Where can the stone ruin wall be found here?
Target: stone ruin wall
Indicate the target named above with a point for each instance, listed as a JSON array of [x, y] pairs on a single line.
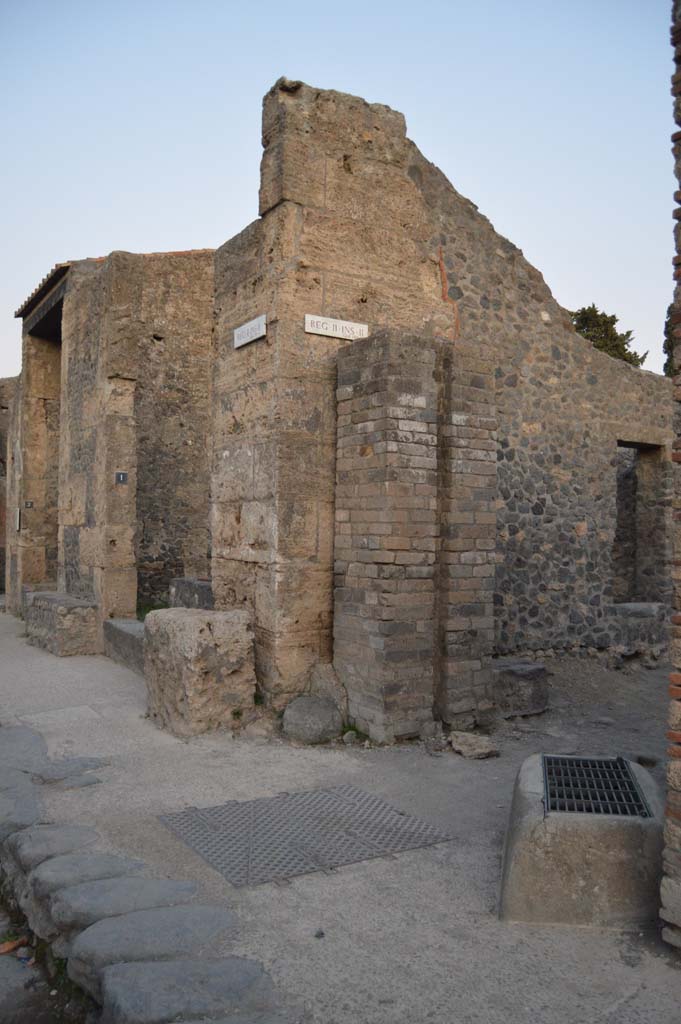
[[357, 224], [671, 882], [131, 384], [137, 336], [7, 389]]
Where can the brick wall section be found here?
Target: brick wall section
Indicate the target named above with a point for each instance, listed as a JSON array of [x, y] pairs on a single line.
[[671, 882], [415, 546], [387, 532], [468, 520]]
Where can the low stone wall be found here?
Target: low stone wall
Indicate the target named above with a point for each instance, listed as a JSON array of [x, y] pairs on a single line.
[[61, 624], [199, 668]]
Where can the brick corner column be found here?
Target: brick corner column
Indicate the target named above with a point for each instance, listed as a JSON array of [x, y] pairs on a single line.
[[386, 532]]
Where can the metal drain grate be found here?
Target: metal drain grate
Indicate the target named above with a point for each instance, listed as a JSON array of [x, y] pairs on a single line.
[[592, 786], [269, 840]]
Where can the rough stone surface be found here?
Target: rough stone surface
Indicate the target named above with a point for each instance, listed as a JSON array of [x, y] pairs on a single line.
[[199, 668], [580, 869], [324, 682], [519, 687], [81, 905], [157, 993], [33, 846], [312, 720], [471, 745], [73, 869], [146, 935]]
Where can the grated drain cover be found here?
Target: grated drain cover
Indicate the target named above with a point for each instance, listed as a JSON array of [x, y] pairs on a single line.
[[592, 786], [256, 841]]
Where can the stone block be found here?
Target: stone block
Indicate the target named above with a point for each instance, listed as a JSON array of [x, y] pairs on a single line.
[[157, 934], [520, 687], [155, 993], [81, 905], [199, 668], [578, 868], [312, 720], [61, 624], [124, 643]]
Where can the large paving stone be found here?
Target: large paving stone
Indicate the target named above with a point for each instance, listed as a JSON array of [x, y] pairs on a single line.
[[199, 668], [146, 935], [72, 869], [312, 720], [36, 844], [22, 748], [158, 993], [80, 906]]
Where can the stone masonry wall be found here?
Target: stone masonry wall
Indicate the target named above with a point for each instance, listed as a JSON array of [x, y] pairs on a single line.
[[13, 486], [671, 881], [356, 224], [7, 388], [174, 318], [136, 336]]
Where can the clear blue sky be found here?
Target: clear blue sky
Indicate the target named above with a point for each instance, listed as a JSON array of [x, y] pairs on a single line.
[[136, 125]]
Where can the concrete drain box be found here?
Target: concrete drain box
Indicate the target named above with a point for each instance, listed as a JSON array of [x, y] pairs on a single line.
[[256, 841], [584, 843]]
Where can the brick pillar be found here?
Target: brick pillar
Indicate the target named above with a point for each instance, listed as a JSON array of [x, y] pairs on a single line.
[[468, 516], [671, 882], [387, 532]]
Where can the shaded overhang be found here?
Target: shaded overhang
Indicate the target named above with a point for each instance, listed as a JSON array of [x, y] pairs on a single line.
[[49, 282]]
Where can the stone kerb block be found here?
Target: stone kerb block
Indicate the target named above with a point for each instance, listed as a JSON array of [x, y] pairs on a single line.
[[199, 668]]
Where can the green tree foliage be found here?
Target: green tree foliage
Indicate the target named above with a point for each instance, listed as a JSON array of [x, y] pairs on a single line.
[[600, 329], [668, 346]]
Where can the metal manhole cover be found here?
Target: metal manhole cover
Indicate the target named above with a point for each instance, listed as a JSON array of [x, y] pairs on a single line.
[[256, 841], [592, 786]]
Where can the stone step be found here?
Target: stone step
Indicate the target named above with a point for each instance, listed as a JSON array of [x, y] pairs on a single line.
[[124, 643]]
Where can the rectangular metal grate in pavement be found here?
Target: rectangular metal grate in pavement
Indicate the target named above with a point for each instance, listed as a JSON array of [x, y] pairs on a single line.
[[256, 841], [586, 785]]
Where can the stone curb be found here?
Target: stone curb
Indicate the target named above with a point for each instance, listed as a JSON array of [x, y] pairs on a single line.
[[139, 946]]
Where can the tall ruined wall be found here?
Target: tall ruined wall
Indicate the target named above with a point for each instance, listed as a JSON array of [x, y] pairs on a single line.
[[356, 224], [174, 318], [136, 336], [7, 389], [562, 406]]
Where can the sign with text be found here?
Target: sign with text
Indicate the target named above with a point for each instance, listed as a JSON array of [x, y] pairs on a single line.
[[251, 331], [334, 328]]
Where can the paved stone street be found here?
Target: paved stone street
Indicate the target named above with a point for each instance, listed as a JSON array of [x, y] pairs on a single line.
[[407, 939]]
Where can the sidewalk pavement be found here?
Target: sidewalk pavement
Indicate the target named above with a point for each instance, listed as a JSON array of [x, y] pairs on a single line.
[[409, 939]]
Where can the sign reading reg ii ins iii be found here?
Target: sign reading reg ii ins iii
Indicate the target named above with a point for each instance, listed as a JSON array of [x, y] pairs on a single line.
[[331, 328], [251, 331]]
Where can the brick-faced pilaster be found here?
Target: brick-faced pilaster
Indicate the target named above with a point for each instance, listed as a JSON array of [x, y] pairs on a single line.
[[671, 882], [415, 545], [387, 532]]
